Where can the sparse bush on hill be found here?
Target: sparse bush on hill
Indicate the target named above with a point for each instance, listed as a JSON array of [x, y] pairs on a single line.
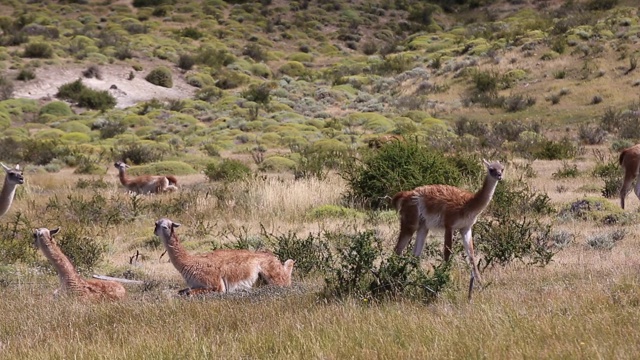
[[566, 171], [591, 135], [83, 249], [17, 240], [394, 167], [56, 108], [229, 170], [26, 75], [358, 267], [186, 61], [6, 88], [160, 76], [83, 96], [140, 153], [255, 52], [258, 93], [93, 71], [38, 50], [213, 57], [611, 173]]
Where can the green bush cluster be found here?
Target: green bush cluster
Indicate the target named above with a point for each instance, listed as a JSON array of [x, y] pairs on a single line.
[[396, 166], [229, 170], [160, 76], [86, 97]]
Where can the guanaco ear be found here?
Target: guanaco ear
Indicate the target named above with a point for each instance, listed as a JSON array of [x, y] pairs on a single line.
[[6, 168], [54, 231], [17, 166], [175, 225], [485, 162]]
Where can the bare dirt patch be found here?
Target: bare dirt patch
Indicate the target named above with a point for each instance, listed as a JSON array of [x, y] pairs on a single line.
[[114, 78]]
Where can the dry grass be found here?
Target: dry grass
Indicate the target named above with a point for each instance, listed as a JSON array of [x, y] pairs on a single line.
[[585, 304]]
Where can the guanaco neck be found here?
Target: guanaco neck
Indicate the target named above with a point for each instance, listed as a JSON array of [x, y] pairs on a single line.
[[123, 177], [69, 277], [6, 196], [481, 199], [177, 253]]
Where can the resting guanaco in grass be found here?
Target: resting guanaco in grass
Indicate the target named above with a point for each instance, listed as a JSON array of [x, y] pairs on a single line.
[[630, 161], [223, 270], [448, 207], [146, 184], [70, 281]]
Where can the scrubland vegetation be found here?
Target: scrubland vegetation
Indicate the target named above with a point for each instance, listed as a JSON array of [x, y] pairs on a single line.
[[274, 104]]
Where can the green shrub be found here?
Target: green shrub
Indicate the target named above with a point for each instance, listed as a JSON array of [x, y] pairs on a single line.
[[186, 62], [97, 100], [38, 50], [137, 153], [109, 128], [305, 251], [332, 211], [394, 167], [85, 97], [160, 76], [356, 267], [293, 69], [567, 171], [71, 91], [26, 75], [258, 93], [17, 240], [514, 231], [606, 241], [611, 173], [229, 170], [557, 150], [6, 88], [277, 164], [56, 108]]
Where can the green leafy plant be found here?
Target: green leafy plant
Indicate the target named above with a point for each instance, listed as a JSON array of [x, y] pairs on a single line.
[[229, 170], [396, 166], [160, 76]]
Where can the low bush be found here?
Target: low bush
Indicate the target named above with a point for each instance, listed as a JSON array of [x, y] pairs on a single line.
[[611, 173], [396, 166], [229, 170], [77, 92], [38, 50], [160, 76], [566, 171], [84, 250], [137, 153]]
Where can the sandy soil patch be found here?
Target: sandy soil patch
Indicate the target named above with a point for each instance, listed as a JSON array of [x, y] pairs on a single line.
[[115, 79]]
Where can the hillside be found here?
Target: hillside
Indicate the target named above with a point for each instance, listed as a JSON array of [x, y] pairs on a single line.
[[288, 127], [283, 75]]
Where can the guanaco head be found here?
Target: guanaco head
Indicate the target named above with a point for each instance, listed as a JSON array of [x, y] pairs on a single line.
[[120, 165], [164, 228], [495, 169], [14, 176], [43, 237]]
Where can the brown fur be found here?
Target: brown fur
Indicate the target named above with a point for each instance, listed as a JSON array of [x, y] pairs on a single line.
[[145, 184], [70, 280], [447, 207], [221, 270], [630, 161]]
